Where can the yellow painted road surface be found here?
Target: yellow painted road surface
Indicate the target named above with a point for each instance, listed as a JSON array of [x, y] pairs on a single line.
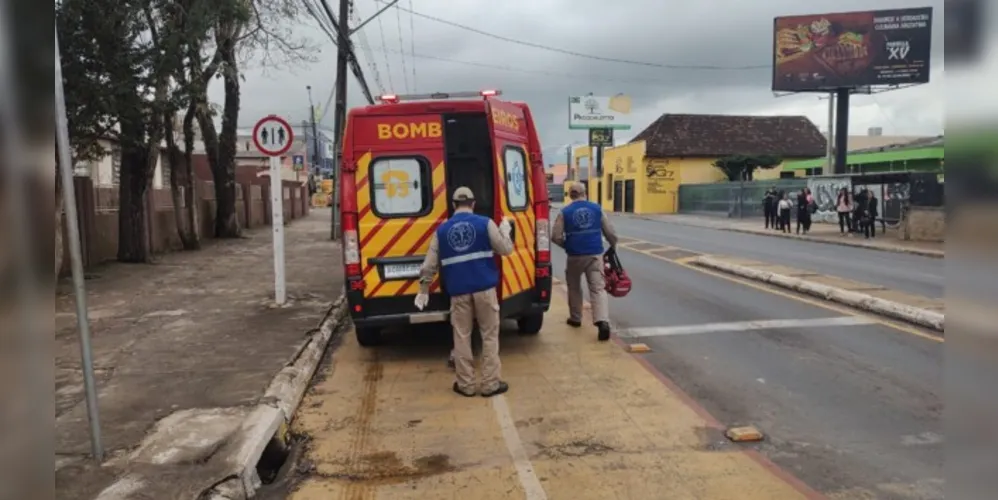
[[582, 420]]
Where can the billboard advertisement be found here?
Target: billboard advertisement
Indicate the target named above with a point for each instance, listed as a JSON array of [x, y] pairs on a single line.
[[585, 112], [852, 49]]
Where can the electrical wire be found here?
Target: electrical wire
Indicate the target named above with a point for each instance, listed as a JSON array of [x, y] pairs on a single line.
[[398, 24], [412, 45], [384, 49], [646, 82], [365, 46], [580, 54]]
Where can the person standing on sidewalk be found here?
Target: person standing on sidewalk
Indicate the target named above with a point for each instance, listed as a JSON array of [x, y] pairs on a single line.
[[464, 249], [843, 207], [769, 208], [804, 203], [579, 229], [871, 210], [785, 207]]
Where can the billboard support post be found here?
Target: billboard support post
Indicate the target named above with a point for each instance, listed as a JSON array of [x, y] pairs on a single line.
[[829, 142], [841, 128]]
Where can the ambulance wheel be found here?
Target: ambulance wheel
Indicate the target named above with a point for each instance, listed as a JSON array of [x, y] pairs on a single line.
[[530, 325], [368, 337]]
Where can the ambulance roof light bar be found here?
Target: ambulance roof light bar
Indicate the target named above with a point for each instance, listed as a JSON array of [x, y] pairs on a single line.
[[437, 96]]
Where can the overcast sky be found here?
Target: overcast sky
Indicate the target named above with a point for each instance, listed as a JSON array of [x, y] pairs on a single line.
[[719, 33]]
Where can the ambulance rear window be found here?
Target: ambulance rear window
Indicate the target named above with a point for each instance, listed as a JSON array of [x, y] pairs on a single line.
[[400, 186], [515, 161]]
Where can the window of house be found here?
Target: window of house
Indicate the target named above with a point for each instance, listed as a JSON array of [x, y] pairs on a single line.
[[400, 186], [515, 164]]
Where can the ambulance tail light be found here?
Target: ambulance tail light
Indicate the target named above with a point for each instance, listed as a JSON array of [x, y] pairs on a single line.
[[351, 245], [543, 241], [543, 232]]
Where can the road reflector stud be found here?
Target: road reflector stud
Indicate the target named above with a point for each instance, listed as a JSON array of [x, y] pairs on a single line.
[[636, 348], [743, 434]]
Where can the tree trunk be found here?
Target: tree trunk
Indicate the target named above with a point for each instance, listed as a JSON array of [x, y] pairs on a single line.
[[133, 241], [175, 159], [226, 220], [190, 182]]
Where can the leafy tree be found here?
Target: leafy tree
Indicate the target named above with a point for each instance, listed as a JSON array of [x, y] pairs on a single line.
[[742, 167]]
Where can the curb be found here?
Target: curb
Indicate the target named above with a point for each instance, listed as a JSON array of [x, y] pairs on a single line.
[[262, 424], [915, 315], [855, 244], [271, 418]]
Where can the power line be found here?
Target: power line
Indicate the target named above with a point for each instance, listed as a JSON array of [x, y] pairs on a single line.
[[648, 82], [398, 24], [352, 56], [579, 54], [384, 49], [368, 53], [412, 45]]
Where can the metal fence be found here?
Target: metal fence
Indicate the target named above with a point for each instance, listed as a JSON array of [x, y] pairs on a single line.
[[732, 199]]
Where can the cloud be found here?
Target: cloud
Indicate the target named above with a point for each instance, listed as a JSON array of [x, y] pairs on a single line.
[[721, 33]]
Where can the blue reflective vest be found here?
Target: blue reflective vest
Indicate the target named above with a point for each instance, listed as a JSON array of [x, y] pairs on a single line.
[[583, 228], [467, 262]]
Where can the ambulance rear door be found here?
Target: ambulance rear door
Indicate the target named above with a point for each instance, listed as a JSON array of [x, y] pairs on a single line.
[[510, 142], [401, 200]]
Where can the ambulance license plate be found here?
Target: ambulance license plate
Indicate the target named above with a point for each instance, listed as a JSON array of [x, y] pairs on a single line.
[[401, 271]]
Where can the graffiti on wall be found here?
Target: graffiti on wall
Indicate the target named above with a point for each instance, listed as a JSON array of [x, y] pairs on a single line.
[[826, 191]]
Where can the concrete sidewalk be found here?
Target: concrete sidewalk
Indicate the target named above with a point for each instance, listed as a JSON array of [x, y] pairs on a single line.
[[820, 232], [194, 335]]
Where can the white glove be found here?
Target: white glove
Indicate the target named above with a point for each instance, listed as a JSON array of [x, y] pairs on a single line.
[[505, 228], [421, 300]]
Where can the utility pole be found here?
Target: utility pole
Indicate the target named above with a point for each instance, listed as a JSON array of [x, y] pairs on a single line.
[[340, 113], [315, 134], [344, 56]]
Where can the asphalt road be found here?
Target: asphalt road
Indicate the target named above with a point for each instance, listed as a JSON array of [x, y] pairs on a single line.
[[906, 273], [853, 410]]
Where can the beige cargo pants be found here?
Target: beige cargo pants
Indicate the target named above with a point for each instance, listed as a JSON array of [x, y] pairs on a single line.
[[590, 266], [482, 307]]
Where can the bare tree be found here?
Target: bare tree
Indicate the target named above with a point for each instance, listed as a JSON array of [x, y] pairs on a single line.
[[255, 29]]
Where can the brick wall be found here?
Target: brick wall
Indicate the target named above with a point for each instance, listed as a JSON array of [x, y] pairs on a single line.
[[97, 210]]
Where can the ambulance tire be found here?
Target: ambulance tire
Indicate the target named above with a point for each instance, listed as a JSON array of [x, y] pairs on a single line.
[[530, 325], [368, 337]]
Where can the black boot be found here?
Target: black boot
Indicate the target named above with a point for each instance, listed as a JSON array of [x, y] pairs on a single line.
[[574, 323], [604, 330]]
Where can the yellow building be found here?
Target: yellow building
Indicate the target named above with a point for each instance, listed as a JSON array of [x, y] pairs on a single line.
[[644, 175]]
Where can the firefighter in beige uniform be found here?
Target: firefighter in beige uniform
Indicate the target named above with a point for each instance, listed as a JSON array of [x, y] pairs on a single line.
[[579, 229], [464, 249]]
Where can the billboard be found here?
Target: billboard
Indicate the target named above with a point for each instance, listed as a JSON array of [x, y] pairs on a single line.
[[852, 49], [585, 112]]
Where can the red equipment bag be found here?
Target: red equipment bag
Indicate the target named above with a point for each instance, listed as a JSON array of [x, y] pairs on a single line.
[[618, 284]]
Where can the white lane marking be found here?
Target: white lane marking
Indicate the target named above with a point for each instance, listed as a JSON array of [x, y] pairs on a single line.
[[524, 469], [741, 326]]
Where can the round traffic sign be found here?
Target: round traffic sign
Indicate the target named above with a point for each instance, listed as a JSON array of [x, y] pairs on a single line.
[[272, 135]]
